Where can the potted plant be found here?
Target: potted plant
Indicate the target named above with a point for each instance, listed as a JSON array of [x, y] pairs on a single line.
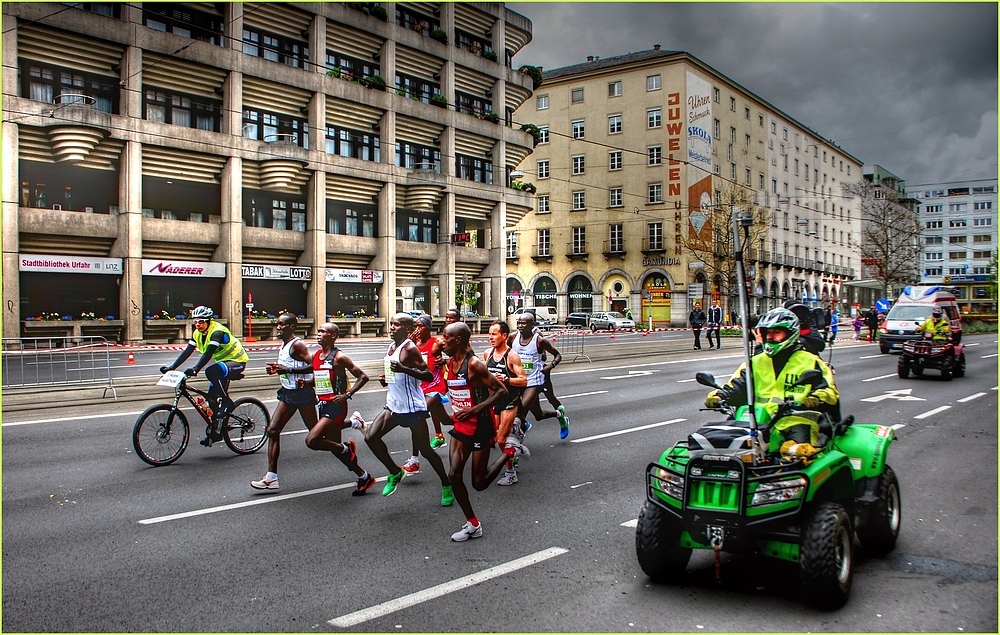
[[401, 91], [439, 100], [533, 130], [334, 72], [440, 35], [375, 81], [378, 12], [492, 117], [490, 55], [529, 188], [534, 73]]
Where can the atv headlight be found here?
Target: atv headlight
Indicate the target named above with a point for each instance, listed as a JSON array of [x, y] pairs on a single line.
[[774, 492], [670, 484]]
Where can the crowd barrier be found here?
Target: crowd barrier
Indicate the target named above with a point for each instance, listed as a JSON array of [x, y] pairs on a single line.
[[570, 343], [36, 362]]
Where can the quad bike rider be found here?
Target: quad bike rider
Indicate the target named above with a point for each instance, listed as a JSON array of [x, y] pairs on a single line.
[[780, 478], [935, 350]]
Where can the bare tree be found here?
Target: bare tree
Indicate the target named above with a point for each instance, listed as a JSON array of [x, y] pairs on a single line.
[[709, 238], [890, 236]]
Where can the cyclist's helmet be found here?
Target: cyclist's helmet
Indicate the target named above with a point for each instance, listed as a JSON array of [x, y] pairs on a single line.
[[778, 330], [937, 312], [202, 313]]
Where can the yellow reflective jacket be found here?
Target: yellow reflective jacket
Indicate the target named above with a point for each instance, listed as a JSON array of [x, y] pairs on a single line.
[[231, 349]]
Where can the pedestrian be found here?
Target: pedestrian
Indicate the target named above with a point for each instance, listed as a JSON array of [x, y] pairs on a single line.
[[405, 406], [530, 345], [871, 321], [858, 323], [827, 319], [697, 320], [472, 392], [714, 324], [504, 364], [294, 364], [430, 348], [330, 368], [834, 319]]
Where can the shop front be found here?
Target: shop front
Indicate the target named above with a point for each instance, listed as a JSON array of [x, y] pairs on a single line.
[[544, 293], [581, 295], [352, 292], [616, 293], [69, 296], [276, 289], [515, 295], [172, 288], [656, 303]]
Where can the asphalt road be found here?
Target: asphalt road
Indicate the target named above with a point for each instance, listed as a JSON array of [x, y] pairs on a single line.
[[95, 540]]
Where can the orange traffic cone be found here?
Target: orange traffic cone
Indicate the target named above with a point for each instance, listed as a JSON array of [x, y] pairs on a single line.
[[131, 358]]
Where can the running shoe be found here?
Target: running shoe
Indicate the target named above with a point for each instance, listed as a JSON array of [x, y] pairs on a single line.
[[352, 450], [468, 531], [438, 441], [519, 449], [509, 478], [412, 465], [357, 422], [265, 483], [525, 427], [563, 423], [447, 496], [391, 482], [365, 483]]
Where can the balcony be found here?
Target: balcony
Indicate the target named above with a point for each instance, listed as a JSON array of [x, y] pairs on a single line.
[[614, 248], [541, 252], [652, 247], [765, 257], [577, 251]]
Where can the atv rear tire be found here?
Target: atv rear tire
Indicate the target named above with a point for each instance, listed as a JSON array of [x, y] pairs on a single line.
[[656, 536], [826, 556], [959, 366], [878, 524], [902, 368]]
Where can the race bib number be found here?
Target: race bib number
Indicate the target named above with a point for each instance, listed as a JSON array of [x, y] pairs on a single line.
[[390, 374], [171, 378], [529, 365], [460, 398], [324, 384]]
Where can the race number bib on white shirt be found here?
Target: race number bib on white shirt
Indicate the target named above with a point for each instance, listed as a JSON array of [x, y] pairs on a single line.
[[390, 374]]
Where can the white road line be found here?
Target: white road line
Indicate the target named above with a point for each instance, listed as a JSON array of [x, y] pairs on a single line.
[[413, 599], [972, 344], [631, 523], [263, 500], [626, 431], [898, 426], [931, 413], [988, 356], [185, 407], [971, 397], [584, 394], [870, 356], [684, 381], [879, 377], [581, 484]]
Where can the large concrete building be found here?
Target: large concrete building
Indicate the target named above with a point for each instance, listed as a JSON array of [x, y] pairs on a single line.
[[319, 156], [634, 151]]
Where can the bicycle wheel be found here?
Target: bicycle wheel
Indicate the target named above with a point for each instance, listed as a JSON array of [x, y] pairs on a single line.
[[245, 427], [160, 435]]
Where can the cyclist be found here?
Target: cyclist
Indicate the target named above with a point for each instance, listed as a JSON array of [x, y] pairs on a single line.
[[223, 358]]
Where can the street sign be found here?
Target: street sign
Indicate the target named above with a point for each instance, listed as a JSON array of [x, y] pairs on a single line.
[[882, 305]]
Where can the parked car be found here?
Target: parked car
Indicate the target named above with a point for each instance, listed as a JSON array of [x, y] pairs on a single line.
[[610, 320], [578, 319]]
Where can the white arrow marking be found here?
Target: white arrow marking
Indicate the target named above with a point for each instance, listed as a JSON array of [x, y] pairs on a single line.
[[633, 373], [902, 394]]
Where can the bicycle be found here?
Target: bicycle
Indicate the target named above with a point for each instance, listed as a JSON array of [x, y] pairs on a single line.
[[161, 432]]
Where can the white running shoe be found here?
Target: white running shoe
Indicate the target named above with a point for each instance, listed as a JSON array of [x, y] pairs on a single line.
[[509, 478], [265, 483], [468, 531], [521, 450], [357, 422]]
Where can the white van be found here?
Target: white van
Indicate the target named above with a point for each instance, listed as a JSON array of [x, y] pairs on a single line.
[[912, 308], [545, 316]]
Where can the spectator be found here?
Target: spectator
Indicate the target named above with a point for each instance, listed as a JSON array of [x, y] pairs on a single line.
[[697, 319], [872, 321]]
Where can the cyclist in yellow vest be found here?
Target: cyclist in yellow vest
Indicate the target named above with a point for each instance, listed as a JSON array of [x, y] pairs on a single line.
[[222, 357], [775, 369], [937, 327]]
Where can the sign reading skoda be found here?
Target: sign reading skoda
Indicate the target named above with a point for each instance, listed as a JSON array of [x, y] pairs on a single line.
[[269, 272]]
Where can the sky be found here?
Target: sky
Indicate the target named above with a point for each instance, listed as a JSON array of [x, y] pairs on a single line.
[[908, 86]]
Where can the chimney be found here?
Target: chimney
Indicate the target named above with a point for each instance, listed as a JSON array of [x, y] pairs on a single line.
[[656, 47], [590, 58]]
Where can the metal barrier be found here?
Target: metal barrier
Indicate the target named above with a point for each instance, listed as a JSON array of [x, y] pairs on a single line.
[[571, 343], [35, 362]]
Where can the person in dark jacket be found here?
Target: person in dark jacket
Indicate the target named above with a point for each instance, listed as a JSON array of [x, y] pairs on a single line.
[[871, 321], [697, 319]]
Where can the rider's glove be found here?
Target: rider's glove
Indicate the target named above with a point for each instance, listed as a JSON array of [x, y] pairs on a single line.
[[810, 402], [165, 369], [714, 400], [191, 372]]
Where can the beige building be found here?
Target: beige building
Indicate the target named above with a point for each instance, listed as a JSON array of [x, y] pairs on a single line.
[[634, 151], [325, 158]]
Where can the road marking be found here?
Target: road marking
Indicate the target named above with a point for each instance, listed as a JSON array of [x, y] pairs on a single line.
[[631, 523], [898, 426], [584, 394], [626, 431], [879, 377], [581, 484], [931, 413], [634, 373], [971, 397], [413, 599], [870, 356], [263, 500], [988, 356], [684, 381], [973, 344], [902, 394], [185, 408]]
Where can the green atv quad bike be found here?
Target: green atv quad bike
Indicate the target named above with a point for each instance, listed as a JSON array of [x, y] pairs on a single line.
[[721, 490]]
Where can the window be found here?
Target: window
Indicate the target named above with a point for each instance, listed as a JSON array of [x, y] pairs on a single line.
[[654, 118], [981, 238], [746, 144], [579, 129], [654, 155], [784, 134], [933, 271], [413, 155], [542, 102], [716, 125], [616, 239], [982, 222], [654, 193], [163, 106], [774, 128], [653, 82], [746, 113], [270, 127], [933, 240], [544, 244], [933, 224], [955, 240], [512, 245], [543, 169], [543, 204], [615, 197], [957, 255], [615, 160], [183, 21], [353, 68], [732, 171], [983, 205], [796, 167], [579, 240], [54, 84], [615, 89], [981, 254], [543, 134], [579, 201], [956, 207], [472, 104], [760, 181], [614, 124], [409, 86], [352, 143], [716, 95], [276, 48], [760, 120], [748, 178], [956, 222], [579, 164], [576, 95], [474, 169], [732, 104], [933, 209], [654, 235]]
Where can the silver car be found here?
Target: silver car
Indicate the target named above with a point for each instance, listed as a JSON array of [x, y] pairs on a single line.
[[610, 320]]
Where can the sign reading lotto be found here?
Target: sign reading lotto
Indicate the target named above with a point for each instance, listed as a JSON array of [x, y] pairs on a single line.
[[68, 264], [269, 272], [365, 276], [183, 268]]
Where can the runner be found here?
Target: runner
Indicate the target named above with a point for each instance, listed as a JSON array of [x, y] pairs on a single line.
[[550, 393], [473, 391], [504, 364], [330, 368], [529, 346], [430, 347], [294, 363], [405, 406]]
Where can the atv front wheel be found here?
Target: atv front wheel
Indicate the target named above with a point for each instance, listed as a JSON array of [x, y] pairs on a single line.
[[656, 536], [826, 556], [878, 524], [960, 366], [902, 368], [946, 373]]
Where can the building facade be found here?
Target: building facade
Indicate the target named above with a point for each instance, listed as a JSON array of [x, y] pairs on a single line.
[[324, 158], [635, 151]]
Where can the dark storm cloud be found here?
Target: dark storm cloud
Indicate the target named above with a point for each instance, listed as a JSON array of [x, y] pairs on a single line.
[[912, 87]]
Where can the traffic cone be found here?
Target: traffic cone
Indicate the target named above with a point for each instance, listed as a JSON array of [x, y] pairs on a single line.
[[131, 358]]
